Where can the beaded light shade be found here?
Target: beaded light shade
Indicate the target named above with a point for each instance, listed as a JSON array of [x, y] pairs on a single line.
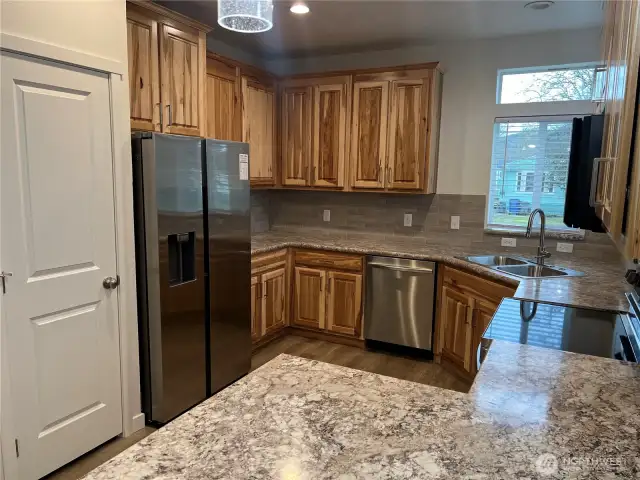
[[246, 16]]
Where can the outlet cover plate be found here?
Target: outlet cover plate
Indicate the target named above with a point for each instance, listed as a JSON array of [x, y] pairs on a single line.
[[508, 242], [408, 219], [564, 247], [455, 222], [326, 215]]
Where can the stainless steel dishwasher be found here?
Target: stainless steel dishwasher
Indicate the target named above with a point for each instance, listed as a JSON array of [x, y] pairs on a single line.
[[399, 301]]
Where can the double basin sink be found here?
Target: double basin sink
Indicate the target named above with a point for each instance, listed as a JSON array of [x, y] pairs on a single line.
[[521, 267]]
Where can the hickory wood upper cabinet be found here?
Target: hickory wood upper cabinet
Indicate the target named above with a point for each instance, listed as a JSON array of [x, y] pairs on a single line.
[[616, 190], [224, 93], [166, 53], [315, 128], [395, 129], [259, 126]]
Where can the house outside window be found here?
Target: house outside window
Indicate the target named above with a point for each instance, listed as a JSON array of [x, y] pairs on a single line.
[[532, 139]]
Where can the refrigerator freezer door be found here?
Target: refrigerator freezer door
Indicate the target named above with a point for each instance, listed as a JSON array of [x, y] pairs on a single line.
[[171, 273], [229, 261]]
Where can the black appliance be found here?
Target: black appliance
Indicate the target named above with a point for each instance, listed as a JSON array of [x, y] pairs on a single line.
[[586, 145], [591, 332]]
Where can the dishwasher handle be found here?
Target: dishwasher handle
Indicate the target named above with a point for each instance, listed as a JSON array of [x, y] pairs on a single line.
[[402, 269]]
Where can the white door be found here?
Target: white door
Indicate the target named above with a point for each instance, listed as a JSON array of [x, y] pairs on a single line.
[[58, 241]]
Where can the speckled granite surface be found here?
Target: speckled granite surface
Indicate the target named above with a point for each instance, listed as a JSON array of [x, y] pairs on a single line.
[[295, 418], [602, 287]]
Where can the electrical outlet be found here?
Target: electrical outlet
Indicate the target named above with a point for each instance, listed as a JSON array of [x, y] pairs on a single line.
[[326, 215], [455, 222], [408, 219], [564, 247], [508, 242]]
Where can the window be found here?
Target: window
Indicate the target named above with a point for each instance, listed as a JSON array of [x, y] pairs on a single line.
[[524, 181], [551, 84], [529, 165]]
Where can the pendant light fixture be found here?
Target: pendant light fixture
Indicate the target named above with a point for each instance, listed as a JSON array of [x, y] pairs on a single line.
[[246, 16]]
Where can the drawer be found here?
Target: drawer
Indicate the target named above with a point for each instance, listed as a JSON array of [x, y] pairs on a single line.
[[478, 285], [268, 261], [331, 260]]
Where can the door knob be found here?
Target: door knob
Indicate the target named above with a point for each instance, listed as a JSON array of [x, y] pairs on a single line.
[[111, 282]]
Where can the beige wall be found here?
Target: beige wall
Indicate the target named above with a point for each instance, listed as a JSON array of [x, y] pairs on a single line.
[[94, 27], [469, 90]]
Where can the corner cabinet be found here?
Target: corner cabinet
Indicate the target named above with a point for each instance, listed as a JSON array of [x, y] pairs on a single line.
[[166, 53], [395, 129], [466, 303]]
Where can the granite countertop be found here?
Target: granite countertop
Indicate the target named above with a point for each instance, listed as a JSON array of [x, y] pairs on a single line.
[[531, 413], [602, 287]]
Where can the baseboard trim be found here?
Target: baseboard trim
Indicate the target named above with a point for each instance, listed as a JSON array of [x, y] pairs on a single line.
[[137, 423]]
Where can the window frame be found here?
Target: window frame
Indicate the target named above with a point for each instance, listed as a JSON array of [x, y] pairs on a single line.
[[597, 66]]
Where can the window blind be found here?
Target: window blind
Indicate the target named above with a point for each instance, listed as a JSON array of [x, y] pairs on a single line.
[[529, 165]]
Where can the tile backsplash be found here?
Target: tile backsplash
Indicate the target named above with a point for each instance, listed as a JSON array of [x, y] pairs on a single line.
[[383, 214]]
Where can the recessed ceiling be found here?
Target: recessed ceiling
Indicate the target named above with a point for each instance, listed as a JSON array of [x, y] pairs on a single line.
[[338, 26]]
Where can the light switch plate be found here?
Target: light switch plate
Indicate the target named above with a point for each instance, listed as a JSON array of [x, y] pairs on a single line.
[[564, 247], [408, 219], [508, 242], [326, 215], [455, 222]]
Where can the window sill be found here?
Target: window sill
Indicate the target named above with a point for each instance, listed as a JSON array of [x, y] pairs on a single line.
[[517, 232]]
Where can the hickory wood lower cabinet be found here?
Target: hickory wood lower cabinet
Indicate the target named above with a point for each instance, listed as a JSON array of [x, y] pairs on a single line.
[[466, 304], [269, 295], [327, 292]]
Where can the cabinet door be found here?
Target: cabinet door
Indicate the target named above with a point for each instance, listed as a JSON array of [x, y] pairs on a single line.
[[330, 104], [256, 304], [407, 134], [273, 300], [455, 318], [182, 69], [224, 114], [369, 134], [483, 312], [296, 135], [144, 87], [258, 130], [309, 298], [344, 301]]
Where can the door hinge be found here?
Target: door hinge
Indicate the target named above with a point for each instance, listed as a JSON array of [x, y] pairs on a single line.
[[17, 449]]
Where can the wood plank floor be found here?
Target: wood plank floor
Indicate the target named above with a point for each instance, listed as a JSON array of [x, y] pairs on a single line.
[[383, 363], [405, 368]]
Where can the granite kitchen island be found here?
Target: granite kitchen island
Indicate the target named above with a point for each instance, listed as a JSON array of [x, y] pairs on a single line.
[[531, 413]]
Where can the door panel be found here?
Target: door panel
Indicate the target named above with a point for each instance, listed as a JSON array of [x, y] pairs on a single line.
[[256, 303], [369, 134], [309, 293], [456, 327], [329, 135], [180, 81], [258, 110], [58, 240], [144, 87], [407, 134], [296, 135], [273, 300], [344, 303], [224, 115], [482, 314]]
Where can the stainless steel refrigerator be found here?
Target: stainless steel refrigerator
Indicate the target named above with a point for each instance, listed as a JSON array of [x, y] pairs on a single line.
[[193, 263]]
